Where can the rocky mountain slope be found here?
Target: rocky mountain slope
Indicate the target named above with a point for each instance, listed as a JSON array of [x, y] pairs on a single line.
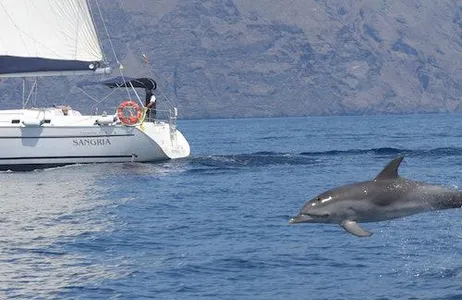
[[242, 58]]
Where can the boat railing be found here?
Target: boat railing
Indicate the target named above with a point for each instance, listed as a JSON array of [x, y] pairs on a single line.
[[162, 115]]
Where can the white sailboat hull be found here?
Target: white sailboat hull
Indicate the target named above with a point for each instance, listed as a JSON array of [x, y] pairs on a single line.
[[72, 140]]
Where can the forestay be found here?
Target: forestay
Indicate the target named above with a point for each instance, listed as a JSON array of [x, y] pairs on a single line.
[[47, 37]]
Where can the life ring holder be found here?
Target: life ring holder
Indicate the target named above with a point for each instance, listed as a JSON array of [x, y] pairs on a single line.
[[131, 119]]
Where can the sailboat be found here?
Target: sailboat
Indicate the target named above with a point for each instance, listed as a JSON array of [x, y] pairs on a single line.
[[59, 38]]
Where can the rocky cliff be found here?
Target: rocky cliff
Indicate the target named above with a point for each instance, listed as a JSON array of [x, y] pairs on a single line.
[[242, 58]]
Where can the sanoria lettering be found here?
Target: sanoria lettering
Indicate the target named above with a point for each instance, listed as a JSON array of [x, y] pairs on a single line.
[[91, 142]]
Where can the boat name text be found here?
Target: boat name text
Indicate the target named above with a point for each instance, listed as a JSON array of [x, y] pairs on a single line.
[[91, 142]]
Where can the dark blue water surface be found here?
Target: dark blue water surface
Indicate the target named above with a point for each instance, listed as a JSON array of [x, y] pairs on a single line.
[[215, 225]]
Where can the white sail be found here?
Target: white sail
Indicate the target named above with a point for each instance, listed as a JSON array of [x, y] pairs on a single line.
[[47, 36]]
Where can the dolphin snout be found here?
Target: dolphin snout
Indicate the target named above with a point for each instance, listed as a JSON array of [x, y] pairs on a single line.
[[300, 219]]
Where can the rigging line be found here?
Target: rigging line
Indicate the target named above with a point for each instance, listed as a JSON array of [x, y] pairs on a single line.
[[95, 100], [107, 33], [112, 45], [88, 95], [76, 41], [29, 97], [33, 92], [155, 75], [106, 97], [160, 91], [57, 32], [136, 94], [166, 98], [14, 24], [92, 16], [123, 79], [23, 91], [22, 33]]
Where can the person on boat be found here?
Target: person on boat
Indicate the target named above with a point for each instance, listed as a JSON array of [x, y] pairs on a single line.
[[150, 104], [63, 108]]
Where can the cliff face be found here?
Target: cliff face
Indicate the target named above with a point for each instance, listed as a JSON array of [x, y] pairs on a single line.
[[241, 58]]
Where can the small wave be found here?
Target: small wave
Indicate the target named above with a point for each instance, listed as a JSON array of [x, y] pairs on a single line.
[[448, 151], [227, 162], [435, 273], [220, 265], [376, 151], [269, 138]]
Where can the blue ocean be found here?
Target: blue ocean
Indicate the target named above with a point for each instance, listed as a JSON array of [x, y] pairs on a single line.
[[215, 225]]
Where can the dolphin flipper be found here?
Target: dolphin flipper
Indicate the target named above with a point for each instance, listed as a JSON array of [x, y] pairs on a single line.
[[354, 228]]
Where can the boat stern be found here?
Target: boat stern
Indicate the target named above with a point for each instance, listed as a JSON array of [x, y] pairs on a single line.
[[168, 138]]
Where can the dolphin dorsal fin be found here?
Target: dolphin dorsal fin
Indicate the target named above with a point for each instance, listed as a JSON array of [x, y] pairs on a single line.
[[391, 170]]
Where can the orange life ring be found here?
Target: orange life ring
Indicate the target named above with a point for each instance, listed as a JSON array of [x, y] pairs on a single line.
[[134, 112]]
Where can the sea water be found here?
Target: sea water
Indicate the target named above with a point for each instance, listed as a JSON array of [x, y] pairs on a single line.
[[215, 225]]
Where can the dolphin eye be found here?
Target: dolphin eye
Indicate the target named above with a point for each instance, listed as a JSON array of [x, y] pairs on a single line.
[[318, 199]]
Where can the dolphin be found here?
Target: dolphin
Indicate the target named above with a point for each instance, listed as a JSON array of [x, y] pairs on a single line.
[[388, 196]]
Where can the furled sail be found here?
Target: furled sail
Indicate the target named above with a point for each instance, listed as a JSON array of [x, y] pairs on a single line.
[[47, 37]]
